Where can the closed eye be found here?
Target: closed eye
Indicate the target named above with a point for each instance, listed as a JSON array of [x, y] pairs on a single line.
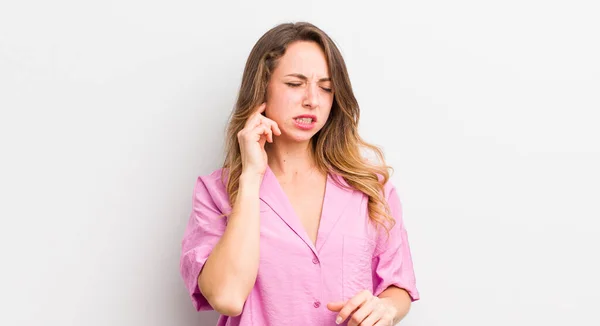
[[328, 90]]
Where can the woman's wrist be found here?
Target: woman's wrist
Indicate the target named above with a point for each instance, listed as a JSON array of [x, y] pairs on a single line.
[[250, 181]]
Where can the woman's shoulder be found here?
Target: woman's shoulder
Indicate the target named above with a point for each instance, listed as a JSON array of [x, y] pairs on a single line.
[[388, 188], [211, 187], [388, 185], [213, 178]]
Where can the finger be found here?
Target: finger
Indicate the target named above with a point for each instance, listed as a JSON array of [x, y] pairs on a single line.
[[255, 118], [351, 306], [261, 108], [336, 306], [268, 133], [272, 124], [275, 127], [262, 140], [375, 316], [361, 314], [253, 121], [383, 322], [258, 132]]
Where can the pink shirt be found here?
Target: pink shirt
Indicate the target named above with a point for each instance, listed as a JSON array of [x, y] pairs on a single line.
[[296, 279]]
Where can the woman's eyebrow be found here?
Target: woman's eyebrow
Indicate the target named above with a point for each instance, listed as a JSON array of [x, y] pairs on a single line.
[[301, 76]]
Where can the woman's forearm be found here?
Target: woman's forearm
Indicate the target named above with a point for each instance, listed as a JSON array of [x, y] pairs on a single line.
[[230, 271], [398, 298]]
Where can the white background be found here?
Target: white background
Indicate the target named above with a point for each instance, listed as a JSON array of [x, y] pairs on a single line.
[[488, 111]]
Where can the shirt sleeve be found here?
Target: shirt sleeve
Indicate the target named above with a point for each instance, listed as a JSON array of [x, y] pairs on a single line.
[[205, 227], [393, 262]]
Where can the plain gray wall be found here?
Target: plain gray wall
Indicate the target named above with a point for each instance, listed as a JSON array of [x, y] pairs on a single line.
[[488, 111]]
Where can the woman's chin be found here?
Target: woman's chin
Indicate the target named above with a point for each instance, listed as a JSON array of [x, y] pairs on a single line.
[[298, 137]]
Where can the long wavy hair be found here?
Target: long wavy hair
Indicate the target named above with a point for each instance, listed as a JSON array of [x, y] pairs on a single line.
[[337, 147]]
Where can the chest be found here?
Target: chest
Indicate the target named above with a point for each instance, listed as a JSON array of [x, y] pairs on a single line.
[[306, 200], [339, 262]]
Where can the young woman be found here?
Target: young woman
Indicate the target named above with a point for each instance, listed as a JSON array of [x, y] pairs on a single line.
[[298, 228]]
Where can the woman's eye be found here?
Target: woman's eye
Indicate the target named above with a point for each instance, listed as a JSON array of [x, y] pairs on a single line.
[[328, 90], [293, 84]]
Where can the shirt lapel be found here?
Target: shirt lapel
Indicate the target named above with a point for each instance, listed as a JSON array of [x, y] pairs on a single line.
[[338, 195], [273, 195]]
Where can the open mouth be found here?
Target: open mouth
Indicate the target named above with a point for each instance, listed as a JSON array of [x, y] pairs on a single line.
[[304, 120]]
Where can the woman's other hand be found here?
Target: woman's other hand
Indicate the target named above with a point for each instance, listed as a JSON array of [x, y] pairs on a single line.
[[364, 309]]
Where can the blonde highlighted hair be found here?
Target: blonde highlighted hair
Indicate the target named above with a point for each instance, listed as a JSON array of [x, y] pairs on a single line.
[[337, 146]]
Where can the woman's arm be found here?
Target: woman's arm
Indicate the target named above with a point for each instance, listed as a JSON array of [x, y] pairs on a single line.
[[399, 299], [230, 271]]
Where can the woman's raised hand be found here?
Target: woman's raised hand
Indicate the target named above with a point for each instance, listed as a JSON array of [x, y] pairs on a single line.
[[257, 130]]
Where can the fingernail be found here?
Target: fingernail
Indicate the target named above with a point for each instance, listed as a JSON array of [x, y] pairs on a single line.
[[338, 320]]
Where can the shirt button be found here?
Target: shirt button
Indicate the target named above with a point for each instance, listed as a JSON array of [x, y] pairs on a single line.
[[315, 260], [316, 304]]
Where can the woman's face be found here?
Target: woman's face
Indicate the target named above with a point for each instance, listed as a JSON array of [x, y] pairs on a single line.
[[299, 94]]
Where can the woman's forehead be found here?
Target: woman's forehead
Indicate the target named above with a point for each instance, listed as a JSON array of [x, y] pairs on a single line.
[[303, 58]]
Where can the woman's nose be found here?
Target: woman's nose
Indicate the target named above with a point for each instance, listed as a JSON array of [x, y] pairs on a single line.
[[311, 98]]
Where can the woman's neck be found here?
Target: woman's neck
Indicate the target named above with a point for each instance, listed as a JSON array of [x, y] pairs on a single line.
[[289, 160]]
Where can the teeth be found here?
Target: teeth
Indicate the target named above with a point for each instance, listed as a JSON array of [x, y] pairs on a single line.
[[304, 120]]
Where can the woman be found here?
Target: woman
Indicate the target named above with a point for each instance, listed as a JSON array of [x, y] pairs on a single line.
[[297, 228]]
